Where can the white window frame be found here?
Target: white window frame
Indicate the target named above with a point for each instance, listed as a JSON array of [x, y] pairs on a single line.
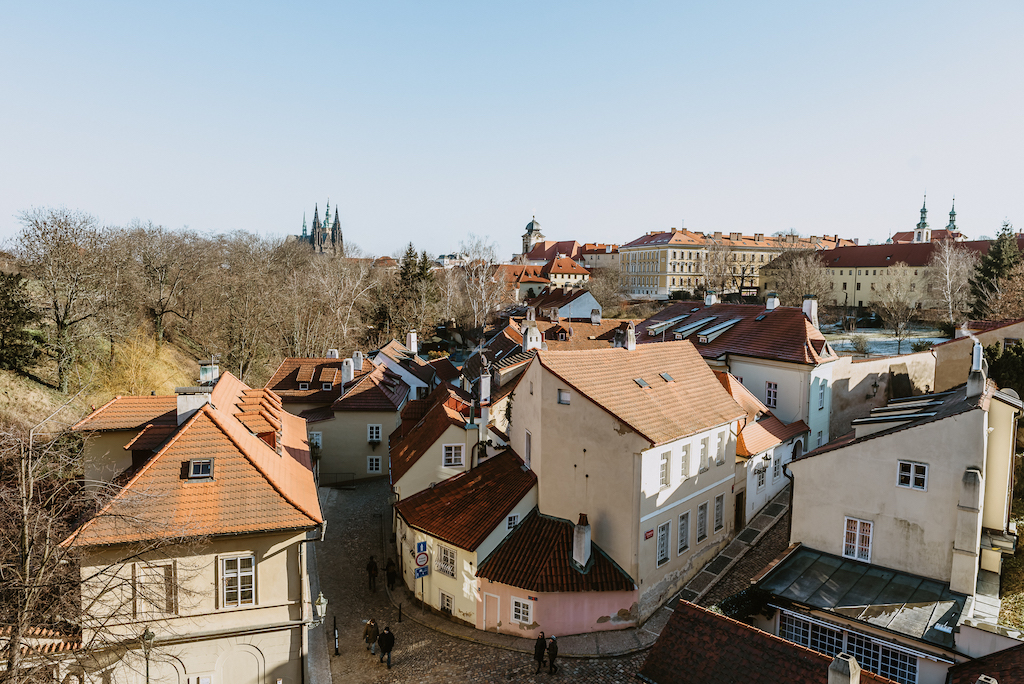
[[316, 439], [820, 438], [776, 466], [720, 448], [239, 574], [196, 469], [372, 461], [445, 602], [327, 386], [858, 552], [529, 447], [303, 386], [821, 394], [373, 432], [702, 529], [155, 581], [564, 397], [447, 560], [771, 394], [719, 512], [665, 470], [525, 610], [661, 550], [915, 470], [448, 455], [684, 463], [512, 521], [705, 455], [759, 477], [683, 541]]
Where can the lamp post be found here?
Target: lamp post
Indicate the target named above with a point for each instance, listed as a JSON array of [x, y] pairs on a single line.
[[321, 610], [147, 646]]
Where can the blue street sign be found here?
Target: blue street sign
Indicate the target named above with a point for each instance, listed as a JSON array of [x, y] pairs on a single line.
[[421, 572], [421, 547]]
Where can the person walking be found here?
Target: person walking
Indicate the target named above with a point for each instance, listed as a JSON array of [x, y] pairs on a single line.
[[539, 647], [552, 654], [370, 634], [371, 571], [387, 642], [391, 572]]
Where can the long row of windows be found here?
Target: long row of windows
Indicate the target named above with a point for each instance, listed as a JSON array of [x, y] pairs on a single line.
[[155, 586], [871, 655], [683, 530], [669, 475]]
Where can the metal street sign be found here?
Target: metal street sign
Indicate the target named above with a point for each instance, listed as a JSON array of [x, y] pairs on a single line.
[[421, 572], [421, 547], [422, 559]]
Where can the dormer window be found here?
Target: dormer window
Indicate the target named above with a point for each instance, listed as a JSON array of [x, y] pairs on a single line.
[[327, 386], [303, 386], [200, 469]]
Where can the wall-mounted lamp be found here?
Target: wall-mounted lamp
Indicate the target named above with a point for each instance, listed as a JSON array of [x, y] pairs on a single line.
[[874, 389], [321, 610]]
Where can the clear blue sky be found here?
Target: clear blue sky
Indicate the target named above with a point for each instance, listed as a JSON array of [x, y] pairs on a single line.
[[427, 121]]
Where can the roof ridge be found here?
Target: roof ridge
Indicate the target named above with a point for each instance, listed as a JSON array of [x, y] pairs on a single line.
[[95, 412]]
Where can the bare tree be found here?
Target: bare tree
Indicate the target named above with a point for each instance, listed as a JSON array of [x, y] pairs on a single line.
[[61, 251], [717, 265], [170, 265], [484, 292], [895, 304], [797, 273], [607, 286], [450, 296], [949, 278]]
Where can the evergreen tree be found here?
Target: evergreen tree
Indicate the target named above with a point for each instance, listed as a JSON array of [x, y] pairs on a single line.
[[1006, 366], [1002, 256], [425, 269], [18, 350], [409, 267]]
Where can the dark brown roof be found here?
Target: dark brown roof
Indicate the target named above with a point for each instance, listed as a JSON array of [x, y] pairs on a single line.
[[131, 413], [1004, 666], [782, 334], [911, 253], [537, 556], [697, 646], [463, 510], [292, 371], [690, 401], [445, 369], [557, 297], [409, 444], [378, 390]]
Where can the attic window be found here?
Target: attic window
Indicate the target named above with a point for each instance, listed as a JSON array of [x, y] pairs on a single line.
[[303, 385], [327, 386], [200, 469], [666, 377], [563, 396], [761, 317], [696, 308], [641, 382]]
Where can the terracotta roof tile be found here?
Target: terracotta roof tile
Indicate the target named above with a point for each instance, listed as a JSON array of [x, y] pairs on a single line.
[[697, 646], [408, 444], [783, 334], [131, 413], [445, 369], [292, 371], [463, 510], [692, 401], [557, 297], [378, 390], [688, 237], [937, 235], [562, 266], [911, 253], [537, 556], [151, 437], [549, 249], [744, 397], [1004, 666], [766, 433]]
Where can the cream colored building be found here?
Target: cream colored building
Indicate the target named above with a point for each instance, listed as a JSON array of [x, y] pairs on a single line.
[[953, 358], [204, 544], [641, 440]]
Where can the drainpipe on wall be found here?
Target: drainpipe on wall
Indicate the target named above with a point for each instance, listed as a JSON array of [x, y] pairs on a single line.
[[792, 487]]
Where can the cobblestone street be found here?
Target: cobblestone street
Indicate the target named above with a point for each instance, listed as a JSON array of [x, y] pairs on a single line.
[[354, 532]]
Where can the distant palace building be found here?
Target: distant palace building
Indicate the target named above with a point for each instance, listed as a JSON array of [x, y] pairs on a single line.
[[323, 239]]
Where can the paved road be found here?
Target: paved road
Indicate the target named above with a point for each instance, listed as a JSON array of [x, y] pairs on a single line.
[[420, 655]]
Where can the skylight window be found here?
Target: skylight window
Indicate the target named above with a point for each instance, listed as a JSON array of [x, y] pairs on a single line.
[[666, 377], [641, 382]]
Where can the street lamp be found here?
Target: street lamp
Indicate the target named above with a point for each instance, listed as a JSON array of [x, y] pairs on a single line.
[[321, 609], [147, 646]]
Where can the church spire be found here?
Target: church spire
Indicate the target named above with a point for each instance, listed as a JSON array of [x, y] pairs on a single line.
[[922, 234], [952, 216], [304, 233]]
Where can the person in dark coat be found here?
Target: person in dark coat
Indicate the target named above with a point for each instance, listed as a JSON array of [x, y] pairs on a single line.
[[552, 654], [391, 572], [539, 647], [371, 571], [386, 640], [370, 635]]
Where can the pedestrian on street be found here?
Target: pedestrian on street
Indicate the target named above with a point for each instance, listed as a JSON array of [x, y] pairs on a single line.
[[391, 571], [552, 654], [370, 635], [387, 642], [371, 570], [539, 647]]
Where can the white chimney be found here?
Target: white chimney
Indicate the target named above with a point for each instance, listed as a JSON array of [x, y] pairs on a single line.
[[630, 337], [772, 302], [595, 317], [410, 342], [485, 398], [710, 298], [532, 338], [844, 670], [347, 372], [357, 360], [976, 378], [208, 372], [811, 309], [985, 679], [190, 400], [581, 541], [332, 353]]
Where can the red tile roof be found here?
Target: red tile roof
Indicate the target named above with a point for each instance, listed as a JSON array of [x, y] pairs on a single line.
[[445, 369], [687, 237], [557, 298], [463, 510], [292, 371], [131, 413], [766, 433], [937, 235], [549, 249], [697, 646], [409, 442], [692, 401], [599, 248], [537, 556], [378, 390], [783, 334], [563, 266], [744, 397], [253, 488], [1004, 666], [911, 253], [580, 333]]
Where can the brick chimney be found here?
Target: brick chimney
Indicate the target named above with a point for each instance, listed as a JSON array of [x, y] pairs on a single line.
[[410, 342], [844, 670], [581, 541]]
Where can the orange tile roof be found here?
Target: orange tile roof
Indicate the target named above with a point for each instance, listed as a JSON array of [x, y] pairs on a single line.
[[580, 333], [410, 443], [783, 334], [548, 249], [563, 266], [292, 371], [937, 235], [131, 413], [691, 402], [766, 433], [378, 390], [537, 556], [744, 397], [463, 510], [758, 240], [697, 646], [150, 437], [253, 489]]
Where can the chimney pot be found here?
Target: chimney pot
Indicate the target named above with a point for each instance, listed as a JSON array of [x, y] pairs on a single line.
[[844, 669], [357, 360], [811, 309], [332, 353], [410, 342], [976, 378], [346, 372]]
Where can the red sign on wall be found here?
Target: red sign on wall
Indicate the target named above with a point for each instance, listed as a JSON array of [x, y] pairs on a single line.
[[648, 534]]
